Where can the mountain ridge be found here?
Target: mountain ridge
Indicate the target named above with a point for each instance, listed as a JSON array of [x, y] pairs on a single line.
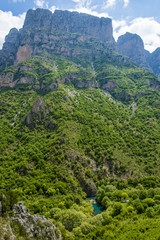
[[105, 70], [77, 120], [132, 46], [47, 28]]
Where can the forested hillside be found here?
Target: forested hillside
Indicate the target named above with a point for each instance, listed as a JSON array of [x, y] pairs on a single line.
[[71, 128]]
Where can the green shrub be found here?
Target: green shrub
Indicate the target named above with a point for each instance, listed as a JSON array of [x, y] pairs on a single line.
[[150, 212], [117, 209]]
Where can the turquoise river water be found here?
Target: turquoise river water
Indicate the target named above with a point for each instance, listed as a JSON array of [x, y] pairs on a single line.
[[97, 208]]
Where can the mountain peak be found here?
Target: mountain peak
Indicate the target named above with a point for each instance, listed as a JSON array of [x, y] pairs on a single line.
[[36, 19], [56, 33], [73, 22], [132, 45]]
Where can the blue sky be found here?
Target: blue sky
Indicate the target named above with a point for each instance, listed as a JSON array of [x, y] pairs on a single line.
[[136, 16]]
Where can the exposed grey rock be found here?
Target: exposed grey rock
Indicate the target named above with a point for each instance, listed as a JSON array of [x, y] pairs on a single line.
[[86, 84], [132, 45], [57, 33], [147, 55], [37, 20], [10, 46], [73, 22], [26, 75], [99, 28], [7, 80], [154, 61], [38, 114], [35, 227], [10, 79], [83, 83], [109, 85], [6, 231], [88, 186], [38, 105]]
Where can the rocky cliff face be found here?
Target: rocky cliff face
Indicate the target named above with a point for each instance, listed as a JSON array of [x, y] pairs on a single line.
[[131, 45], [57, 33], [154, 61], [72, 22], [10, 47], [23, 225], [34, 227], [38, 112]]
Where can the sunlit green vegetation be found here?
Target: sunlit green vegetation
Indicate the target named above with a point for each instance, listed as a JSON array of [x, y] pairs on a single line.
[[106, 136]]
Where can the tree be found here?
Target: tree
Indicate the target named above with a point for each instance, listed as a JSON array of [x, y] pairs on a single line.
[[149, 201], [105, 202], [87, 228], [71, 219], [150, 212], [117, 209], [142, 194]]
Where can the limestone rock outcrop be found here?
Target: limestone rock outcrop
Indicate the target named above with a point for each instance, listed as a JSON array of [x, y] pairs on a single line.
[[88, 186], [154, 61], [132, 45], [57, 33], [72, 22], [10, 46], [35, 227], [38, 111], [23, 225]]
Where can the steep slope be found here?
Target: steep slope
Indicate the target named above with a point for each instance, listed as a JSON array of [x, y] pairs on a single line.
[[132, 45], [59, 146], [75, 116], [111, 72], [153, 60], [65, 33]]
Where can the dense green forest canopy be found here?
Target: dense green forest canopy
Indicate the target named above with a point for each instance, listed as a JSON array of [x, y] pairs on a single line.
[[82, 129]]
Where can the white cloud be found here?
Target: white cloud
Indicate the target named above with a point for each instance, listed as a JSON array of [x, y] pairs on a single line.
[[52, 9], [8, 21], [39, 3], [15, 1], [47, 4], [89, 11], [85, 6], [82, 3], [110, 4], [126, 3], [147, 28]]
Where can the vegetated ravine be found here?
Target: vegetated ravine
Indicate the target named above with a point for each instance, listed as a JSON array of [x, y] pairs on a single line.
[[77, 120]]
